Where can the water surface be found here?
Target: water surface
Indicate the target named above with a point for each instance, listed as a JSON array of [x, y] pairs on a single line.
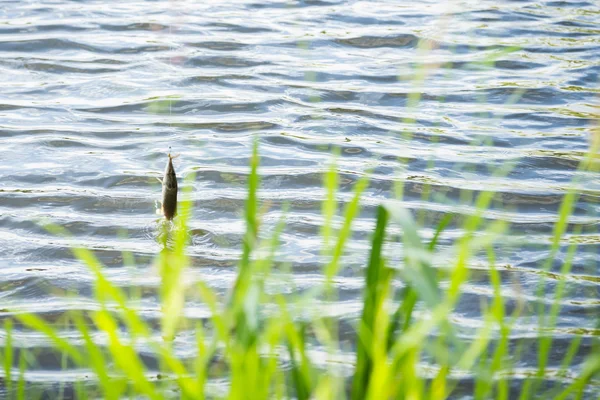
[[436, 95]]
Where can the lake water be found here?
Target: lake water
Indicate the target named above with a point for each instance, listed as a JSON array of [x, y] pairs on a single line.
[[437, 94]]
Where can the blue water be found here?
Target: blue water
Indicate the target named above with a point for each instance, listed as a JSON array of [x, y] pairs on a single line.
[[450, 98]]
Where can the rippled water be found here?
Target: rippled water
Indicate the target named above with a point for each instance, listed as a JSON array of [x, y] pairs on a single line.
[[438, 95]]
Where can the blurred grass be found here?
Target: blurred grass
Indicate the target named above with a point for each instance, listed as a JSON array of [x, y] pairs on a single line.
[[260, 345], [268, 355]]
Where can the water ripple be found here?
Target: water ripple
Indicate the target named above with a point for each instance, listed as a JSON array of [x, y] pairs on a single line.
[[436, 97]]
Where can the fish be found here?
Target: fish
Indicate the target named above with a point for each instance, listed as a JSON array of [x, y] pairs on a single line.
[[169, 190]]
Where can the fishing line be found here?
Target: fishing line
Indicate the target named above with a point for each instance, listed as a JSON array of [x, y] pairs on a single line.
[[170, 67]]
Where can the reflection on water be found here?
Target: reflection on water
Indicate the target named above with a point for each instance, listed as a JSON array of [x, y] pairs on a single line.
[[437, 96]]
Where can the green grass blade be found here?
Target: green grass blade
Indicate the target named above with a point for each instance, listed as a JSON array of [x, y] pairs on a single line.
[[104, 289], [201, 363], [403, 314], [418, 271], [377, 278], [350, 213], [301, 369], [110, 386], [251, 212], [21, 383], [125, 357], [172, 267], [38, 324], [8, 355], [80, 391], [329, 206], [442, 225], [244, 299]]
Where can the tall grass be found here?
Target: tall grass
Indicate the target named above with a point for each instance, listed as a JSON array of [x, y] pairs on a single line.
[[243, 351]]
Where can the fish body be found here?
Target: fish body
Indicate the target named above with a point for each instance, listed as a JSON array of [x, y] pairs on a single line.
[[169, 191]]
